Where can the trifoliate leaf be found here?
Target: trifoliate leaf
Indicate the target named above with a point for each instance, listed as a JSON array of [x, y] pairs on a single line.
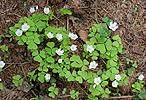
[[65, 11], [79, 79], [51, 44], [38, 58], [116, 44], [24, 38], [43, 54], [101, 48], [50, 59], [32, 45]]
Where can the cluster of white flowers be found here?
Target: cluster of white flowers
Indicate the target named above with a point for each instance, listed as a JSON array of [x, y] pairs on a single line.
[[90, 48], [33, 9], [47, 77], [97, 81], [2, 64], [50, 35], [59, 60], [19, 32], [59, 36], [60, 52], [73, 36], [115, 82], [93, 65], [46, 10], [24, 28], [73, 47], [113, 26], [141, 77]]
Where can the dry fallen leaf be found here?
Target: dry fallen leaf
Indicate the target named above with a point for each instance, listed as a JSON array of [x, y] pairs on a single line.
[[83, 35], [77, 3]]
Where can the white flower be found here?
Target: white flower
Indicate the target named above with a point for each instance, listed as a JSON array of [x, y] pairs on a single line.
[[93, 65], [97, 80], [113, 26], [2, 64], [47, 77], [94, 86], [118, 77], [19, 32], [60, 52], [90, 48], [59, 60], [59, 36], [25, 27], [73, 36], [73, 47], [115, 84], [37, 7], [141, 77], [46, 10], [0, 79], [50, 35], [32, 9]]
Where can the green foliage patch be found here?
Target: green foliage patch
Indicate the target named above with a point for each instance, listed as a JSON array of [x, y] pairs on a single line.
[[42, 41]]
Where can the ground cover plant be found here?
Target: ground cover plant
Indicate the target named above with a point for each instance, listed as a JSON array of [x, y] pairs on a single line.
[[94, 65]]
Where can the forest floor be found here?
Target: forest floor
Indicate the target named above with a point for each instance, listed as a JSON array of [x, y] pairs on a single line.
[[130, 15]]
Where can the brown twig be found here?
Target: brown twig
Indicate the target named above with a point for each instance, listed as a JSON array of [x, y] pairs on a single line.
[[121, 97]]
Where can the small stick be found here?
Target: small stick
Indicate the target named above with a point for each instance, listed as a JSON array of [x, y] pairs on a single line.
[[121, 97]]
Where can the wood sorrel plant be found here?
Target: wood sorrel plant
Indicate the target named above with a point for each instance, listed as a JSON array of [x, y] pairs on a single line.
[[52, 48]]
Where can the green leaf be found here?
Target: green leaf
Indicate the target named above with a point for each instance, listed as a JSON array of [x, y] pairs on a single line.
[[38, 58], [71, 78], [107, 20], [24, 38], [68, 74], [116, 44], [85, 62], [112, 63], [41, 79], [32, 45], [40, 25], [79, 79], [76, 65], [52, 95], [37, 40], [114, 70], [43, 54], [51, 88], [104, 76], [16, 77], [76, 58], [20, 42], [104, 83], [30, 22], [51, 44], [2, 86], [29, 34], [35, 53], [83, 74], [142, 94], [65, 11], [101, 48], [108, 44], [50, 59], [117, 38], [56, 91], [93, 40]]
